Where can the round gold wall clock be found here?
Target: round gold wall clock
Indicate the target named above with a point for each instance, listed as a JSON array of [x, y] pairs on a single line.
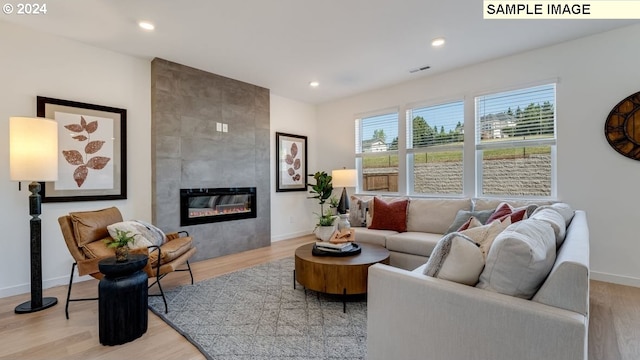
[[622, 128]]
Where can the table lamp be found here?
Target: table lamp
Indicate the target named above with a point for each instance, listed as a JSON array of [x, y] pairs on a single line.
[[33, 156], [344, 178]]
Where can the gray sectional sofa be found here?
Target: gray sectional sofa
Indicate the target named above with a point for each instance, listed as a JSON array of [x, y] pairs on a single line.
[[415, 316]]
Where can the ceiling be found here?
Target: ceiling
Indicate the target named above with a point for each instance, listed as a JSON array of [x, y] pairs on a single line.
[[348, 46]]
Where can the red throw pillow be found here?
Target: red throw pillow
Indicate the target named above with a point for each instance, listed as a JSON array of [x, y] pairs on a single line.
[[502, 210], [505, 210], [389, 216]]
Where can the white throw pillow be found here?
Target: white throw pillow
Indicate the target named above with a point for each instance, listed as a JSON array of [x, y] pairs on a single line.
[[457, 258], [520, 259], [145, 234], [486, 234]]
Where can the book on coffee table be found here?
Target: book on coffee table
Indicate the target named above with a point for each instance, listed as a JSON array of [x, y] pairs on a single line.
[[327, 246]]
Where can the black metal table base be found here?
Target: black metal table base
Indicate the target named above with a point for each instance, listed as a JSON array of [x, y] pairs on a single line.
[[344, 293]]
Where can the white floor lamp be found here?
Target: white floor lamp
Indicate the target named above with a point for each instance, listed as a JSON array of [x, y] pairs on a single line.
[[33, 156]]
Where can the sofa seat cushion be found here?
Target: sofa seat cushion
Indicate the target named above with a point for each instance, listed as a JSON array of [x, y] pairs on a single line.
[[372, 236], [520, 259], [98, 249], [416, 243], [171, 250], [434, 215]]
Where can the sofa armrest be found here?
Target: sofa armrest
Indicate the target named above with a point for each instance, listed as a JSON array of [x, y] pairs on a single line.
[[413, 316]]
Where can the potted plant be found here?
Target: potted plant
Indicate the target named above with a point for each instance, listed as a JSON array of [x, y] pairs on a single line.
[[333, 205], [121, 243], [322, 190]]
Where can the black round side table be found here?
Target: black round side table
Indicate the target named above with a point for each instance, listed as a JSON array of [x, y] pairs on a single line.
[[122, 303]]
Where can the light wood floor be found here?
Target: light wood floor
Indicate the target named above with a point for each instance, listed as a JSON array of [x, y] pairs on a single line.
[[614, 323]]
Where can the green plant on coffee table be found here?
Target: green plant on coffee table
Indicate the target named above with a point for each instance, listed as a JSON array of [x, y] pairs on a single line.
[[122, 239], [334, 202], [322, 188], [326, 219]]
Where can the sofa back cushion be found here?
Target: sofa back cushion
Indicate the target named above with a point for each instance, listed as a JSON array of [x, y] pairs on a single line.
[[89, 226], [554, 219], [567, 285], [492, 203], [520, 259], [434, 215]]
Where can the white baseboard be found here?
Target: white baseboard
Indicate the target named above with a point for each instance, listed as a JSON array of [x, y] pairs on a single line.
[[46, 284], [615, 279], [289, 236]]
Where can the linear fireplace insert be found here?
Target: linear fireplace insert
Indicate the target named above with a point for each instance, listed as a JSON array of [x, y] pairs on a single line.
[[201, 206]]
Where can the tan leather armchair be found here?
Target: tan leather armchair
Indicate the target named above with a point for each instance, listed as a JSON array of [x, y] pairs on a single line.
[[85, 231]]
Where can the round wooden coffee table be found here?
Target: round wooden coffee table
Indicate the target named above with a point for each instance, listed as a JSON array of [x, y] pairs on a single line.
[[337, 275]]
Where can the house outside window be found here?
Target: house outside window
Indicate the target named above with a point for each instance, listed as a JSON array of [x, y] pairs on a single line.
[[435, 142], [377, 152], [516, 142]]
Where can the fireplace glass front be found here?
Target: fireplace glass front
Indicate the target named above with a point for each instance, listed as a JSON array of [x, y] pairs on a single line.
[[201, 206]]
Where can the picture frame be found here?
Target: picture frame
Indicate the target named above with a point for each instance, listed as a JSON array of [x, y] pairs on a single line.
[[92, 143], [291, 162]]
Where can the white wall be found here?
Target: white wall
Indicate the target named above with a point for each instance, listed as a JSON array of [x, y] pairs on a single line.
[[32, 64], [593, 74], [292, 212]]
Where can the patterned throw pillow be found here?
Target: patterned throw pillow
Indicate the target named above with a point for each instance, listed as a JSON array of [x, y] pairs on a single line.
[[145, 234], [358, 211], [389, 216]]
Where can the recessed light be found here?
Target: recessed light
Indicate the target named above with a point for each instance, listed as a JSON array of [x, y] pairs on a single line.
[[437, 42], [146, 25], [314, 84]]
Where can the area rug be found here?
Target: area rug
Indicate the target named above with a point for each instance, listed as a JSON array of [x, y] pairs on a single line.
[[257, 314]]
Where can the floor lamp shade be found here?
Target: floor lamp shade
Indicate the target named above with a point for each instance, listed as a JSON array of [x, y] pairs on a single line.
[[344, 178], [33, 156], [33, 149]]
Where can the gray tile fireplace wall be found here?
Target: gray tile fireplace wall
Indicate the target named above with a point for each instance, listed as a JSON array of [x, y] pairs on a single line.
[[188, 151]]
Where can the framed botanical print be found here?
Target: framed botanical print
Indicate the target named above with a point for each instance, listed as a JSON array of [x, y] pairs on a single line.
[[92, 151], [291, 162]]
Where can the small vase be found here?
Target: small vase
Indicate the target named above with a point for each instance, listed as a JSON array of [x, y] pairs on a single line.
[[122, 253]]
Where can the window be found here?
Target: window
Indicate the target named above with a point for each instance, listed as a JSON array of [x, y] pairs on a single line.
[[377, 152], [435, 139], [515, 142]]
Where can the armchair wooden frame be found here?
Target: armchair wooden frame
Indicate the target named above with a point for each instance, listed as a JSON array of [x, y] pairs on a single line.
[[88, 265]]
